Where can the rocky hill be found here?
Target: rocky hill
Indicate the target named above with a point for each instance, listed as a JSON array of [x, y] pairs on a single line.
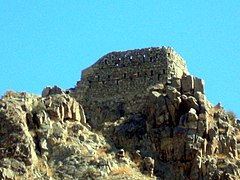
[[135, 114]]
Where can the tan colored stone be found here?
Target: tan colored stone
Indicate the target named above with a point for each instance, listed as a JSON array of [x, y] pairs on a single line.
[[199, 85], [187, 84]]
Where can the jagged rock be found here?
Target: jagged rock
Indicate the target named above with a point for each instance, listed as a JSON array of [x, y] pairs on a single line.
[[187, 84], [189, 102], [6, 173], [172, 93], [143, 102], [30, 134], [197, 164], [64, 107], [51, 91], [137, 157], [176, 82], [180, 124], [192, 115], [46, 91], [120, 154], [148, 166], [198, 85], [202, 101]]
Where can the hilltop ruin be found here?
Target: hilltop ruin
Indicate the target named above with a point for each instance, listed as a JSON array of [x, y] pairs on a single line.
[[125, 71], [118, 81], [146, 118]]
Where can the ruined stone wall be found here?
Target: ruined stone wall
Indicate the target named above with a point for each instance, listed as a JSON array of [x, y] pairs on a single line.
[[118, 73], [118, 82]]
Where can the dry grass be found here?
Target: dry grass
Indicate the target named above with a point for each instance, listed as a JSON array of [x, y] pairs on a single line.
[[221, 131], [210, 114], [221, 156], [127, 172], [17, 177], [123, 171], [234, 161], [84, 150], [43, 167], [107, 148], [33, 134], [222, 166], [101, 153], [238, 138], [210, 119]]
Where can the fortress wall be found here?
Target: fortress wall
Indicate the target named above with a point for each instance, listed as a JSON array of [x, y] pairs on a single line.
[[118, 81], [122, 72]]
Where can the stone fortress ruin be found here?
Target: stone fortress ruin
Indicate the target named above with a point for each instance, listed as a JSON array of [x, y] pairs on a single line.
[[146, 118], [118, 82], [125, 71]]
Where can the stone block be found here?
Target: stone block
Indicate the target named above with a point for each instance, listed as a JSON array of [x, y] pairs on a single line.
[[46, 91], [187, 84], [192, 115], [199, 85], [176, 82]]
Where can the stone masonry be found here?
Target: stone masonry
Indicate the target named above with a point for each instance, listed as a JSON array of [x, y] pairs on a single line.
[[126, 71], [117, 83]]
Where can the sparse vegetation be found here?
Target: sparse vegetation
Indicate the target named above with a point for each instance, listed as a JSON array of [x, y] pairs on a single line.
[[221, 156], [8, 94], [122, 170], [231, 115], [127, 172], [101, 153], [43, 167], [90, 172], [38, 107], [84, 150], [50, 137]]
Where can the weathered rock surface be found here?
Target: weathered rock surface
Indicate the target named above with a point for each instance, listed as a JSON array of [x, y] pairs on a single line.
[[146, 118], [48, 138], [154, 106], [183, 133]]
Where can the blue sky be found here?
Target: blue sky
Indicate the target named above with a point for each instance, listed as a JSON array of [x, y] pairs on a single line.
[[49, 42]]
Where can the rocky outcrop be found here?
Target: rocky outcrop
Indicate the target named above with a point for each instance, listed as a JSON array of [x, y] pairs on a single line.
[[49, 91], [30, 128], [115, 85], [170, 121], [48, 138], [186, 136], [153, 123]]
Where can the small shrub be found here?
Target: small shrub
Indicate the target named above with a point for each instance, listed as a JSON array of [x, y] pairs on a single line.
[[101, 153], [122, 170], [39, 107], [231, 115], [90, 172], [107, 148], [3, 114], [8, 94], [84, 151], [221, 156], [43, 167]]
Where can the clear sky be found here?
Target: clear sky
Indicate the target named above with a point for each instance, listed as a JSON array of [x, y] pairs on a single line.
[[49, 42]]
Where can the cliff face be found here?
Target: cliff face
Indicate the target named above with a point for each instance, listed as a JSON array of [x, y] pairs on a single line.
[[48, 138], [146, 117], [187, 137]]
